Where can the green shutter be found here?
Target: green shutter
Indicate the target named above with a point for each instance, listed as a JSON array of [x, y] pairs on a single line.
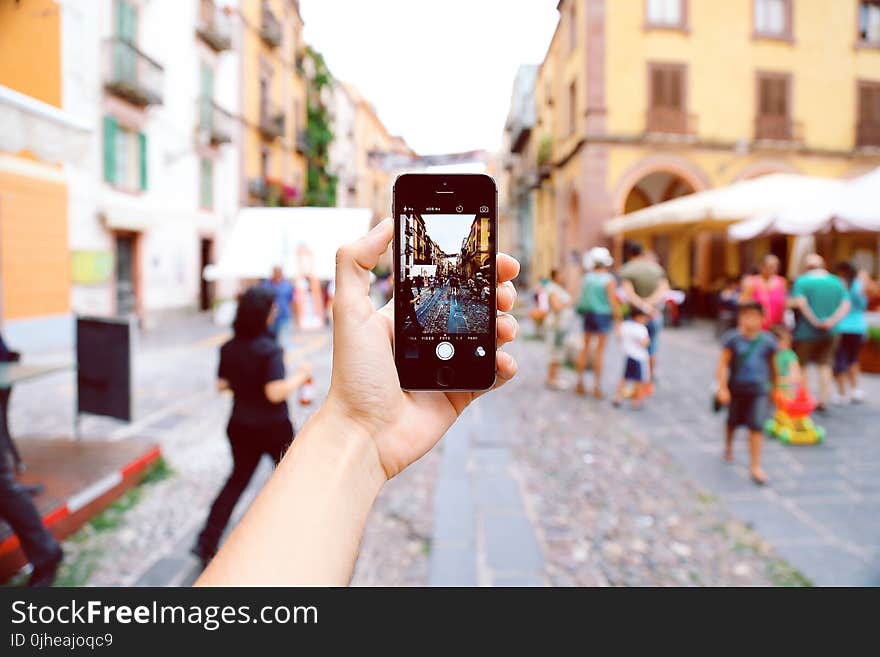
[[207, 183], [142, 143], [110, 149]]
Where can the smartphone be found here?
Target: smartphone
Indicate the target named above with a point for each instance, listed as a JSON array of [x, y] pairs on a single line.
[[445, 243]]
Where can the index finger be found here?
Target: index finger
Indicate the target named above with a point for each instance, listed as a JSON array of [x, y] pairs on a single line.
[[507, 266]]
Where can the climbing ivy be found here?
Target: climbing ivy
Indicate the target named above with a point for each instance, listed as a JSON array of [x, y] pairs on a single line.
[[320, 182]]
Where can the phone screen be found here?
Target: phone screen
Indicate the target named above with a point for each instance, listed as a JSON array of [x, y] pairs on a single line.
[[445, 281]]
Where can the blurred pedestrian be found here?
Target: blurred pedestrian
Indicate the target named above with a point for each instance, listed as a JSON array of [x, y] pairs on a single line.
[[744, 375], [600, 308], [645, 285], [18, 510], [408, 302], [851, 331], [728, 300], [821, 300], [252, 367], [556, 324], [767, 288], [282, 289], [635, 340]]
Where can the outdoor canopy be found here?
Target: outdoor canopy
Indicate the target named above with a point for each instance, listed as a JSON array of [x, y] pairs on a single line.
[[848, 206], [295, 238], [724, 205]]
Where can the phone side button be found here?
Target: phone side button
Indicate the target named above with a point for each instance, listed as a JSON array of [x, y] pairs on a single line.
[[445, 375]]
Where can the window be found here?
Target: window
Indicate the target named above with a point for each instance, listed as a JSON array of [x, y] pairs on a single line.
[[773, 18], [667, 109], [869, 22], [869, 114], [666, 13], [773, 120], [206, 183], [572, 108], [125, 156]]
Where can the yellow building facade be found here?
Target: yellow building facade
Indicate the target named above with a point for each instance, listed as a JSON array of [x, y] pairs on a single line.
[[274, 103], [34, 258], [640, 101]]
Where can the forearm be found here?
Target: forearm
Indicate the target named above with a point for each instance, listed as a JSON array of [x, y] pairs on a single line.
[[722, 374], [305, 526]]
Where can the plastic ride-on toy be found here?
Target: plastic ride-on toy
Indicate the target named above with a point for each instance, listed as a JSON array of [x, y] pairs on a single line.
[[792, 422]]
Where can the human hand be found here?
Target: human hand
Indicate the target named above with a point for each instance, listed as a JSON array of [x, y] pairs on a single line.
[[723, 396], [365, 396], [304, 370]]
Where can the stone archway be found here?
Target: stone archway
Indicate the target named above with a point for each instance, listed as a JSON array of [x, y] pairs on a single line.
[[674, 167]]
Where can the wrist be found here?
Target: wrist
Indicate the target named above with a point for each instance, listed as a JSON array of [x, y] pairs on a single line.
[[350, 442]]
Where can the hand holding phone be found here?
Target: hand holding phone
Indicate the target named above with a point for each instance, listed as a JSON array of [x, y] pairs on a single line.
[[365, 397]]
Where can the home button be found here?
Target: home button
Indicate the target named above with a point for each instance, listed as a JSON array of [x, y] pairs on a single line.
[[445, 376]]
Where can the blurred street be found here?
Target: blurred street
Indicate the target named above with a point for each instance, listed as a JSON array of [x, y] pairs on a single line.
[[531, 487]]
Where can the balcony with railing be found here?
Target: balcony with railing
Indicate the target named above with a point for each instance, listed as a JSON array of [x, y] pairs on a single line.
[[216, 125], [867, 135], [778, 128], [671, 121], [270, 27], [271, 121], [132, 75], [302, 141], [214, 26], [271, 192]]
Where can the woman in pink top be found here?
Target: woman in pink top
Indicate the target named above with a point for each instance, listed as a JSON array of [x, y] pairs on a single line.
[[769, 289]]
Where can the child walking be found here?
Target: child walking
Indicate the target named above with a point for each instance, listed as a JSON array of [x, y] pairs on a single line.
[[744, 374], [635, 339]]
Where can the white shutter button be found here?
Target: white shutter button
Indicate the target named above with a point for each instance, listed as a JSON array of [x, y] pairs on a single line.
[[445, 350]]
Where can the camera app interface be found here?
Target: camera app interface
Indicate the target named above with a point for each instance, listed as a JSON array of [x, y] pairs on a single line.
[[444, 290]]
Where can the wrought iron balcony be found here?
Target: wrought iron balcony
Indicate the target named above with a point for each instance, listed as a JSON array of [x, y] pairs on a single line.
[[302, 141], [216, 125], [671, 121], [131, 75], [270, 28], [271, 122], [214, 27]]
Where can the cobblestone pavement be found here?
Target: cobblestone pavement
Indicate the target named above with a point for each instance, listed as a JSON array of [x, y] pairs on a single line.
[[541, 487]]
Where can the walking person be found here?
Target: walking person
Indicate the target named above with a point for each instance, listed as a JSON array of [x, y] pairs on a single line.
[[252, 367], [645, 285], [635, 340], [408, 307], [556, 323], [768, 288], [282, 289], [851, 331], [744, 375], [822, 301], [600, 307]]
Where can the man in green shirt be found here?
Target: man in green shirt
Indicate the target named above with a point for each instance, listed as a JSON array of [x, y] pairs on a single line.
[[822, 301]]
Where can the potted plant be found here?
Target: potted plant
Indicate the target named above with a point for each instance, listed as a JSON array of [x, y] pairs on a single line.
[[869, 357]]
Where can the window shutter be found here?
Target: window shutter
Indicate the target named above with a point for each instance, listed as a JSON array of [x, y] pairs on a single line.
[[110, 149], [142, 143], [657, 88], [675, 97]]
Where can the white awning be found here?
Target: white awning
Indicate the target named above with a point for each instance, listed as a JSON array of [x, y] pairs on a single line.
[[723, 205], [298, 239], [849, 206], [51, 134]]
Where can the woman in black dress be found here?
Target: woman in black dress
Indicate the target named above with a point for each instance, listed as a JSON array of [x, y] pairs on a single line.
[[252, 367]]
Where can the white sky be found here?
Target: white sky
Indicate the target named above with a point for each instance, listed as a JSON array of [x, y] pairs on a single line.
[[440, 74], [448, 230]]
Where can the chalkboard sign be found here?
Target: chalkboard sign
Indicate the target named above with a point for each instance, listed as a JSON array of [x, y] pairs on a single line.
[[103, 357]]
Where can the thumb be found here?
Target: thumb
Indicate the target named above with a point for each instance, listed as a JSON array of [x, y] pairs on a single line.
[[355, 260]]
